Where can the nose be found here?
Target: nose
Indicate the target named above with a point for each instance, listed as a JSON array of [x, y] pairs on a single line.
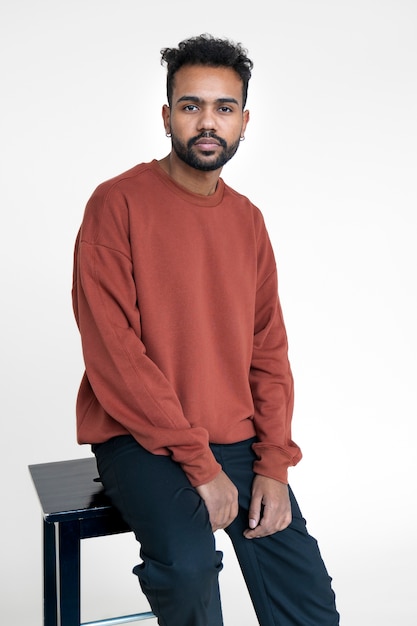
[[206, 120]]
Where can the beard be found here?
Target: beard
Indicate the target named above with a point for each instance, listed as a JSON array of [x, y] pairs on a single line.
[[186, 153]]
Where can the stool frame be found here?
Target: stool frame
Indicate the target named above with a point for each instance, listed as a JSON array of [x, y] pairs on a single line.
[[74, 507]]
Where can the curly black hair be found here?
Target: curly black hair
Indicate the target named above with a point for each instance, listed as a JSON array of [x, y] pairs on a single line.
[[211, 51]]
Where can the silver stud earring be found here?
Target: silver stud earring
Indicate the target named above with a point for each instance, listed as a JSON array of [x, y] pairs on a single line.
[[242, 138], [168, 134]]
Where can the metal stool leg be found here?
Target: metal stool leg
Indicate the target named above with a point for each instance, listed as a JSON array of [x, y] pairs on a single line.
[[69, 573], [50, 616]]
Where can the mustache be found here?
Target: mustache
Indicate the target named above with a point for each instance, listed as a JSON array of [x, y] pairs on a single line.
[[207, 135]]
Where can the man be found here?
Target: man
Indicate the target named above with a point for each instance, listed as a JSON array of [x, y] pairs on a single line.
[[188, 394]]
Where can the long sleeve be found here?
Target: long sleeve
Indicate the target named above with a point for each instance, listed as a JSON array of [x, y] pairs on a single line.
[[271, 378]]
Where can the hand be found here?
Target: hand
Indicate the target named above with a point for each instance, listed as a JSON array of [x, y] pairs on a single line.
[[270, 508], [220, 498]]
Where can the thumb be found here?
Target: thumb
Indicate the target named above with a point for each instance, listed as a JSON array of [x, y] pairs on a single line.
[[254, 512]]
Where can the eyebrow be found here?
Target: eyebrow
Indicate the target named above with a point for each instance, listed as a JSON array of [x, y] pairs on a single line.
[[201, 101]]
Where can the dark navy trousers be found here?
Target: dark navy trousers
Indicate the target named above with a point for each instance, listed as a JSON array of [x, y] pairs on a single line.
[[285, 574]]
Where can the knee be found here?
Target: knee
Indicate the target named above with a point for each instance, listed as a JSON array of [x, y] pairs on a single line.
[[185, 577], [191, 576]]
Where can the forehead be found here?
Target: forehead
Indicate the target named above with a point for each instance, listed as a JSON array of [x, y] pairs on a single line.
[[207, 83]]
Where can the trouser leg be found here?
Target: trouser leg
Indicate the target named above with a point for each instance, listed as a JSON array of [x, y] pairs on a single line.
[[285, 574], [180, 565]]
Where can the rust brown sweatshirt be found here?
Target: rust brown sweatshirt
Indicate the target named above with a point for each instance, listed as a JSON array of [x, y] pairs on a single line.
[[175, 295]]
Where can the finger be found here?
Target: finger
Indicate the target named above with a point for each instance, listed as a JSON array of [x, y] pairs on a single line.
[[224, 518], [268, 525], [255, 512], [264, 528], [259, 531]]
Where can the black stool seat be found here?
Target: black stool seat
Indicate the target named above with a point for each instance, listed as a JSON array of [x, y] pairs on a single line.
[[74, 507]]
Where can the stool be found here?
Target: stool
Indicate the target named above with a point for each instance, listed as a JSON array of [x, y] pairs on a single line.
[[74, 507]]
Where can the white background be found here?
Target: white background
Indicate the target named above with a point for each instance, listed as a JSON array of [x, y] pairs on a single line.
[[330, 158]]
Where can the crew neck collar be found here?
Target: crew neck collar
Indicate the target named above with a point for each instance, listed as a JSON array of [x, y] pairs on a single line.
[[195, 198]]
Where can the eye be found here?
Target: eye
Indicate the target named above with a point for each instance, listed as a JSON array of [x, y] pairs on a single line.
[[225, 109], [190, 107]]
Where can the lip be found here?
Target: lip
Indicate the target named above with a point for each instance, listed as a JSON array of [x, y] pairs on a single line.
[[207, 143]]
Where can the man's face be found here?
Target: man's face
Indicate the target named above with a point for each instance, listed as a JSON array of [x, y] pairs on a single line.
[[206, 119]]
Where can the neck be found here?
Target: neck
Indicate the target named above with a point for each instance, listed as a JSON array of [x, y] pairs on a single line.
[[196, 181]]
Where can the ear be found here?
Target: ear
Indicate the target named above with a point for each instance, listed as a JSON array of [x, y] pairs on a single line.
[[166, 116], [245, 121]]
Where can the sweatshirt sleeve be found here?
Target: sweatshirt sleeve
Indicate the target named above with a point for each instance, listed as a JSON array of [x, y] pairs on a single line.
[[270, 375], [127, 385]]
